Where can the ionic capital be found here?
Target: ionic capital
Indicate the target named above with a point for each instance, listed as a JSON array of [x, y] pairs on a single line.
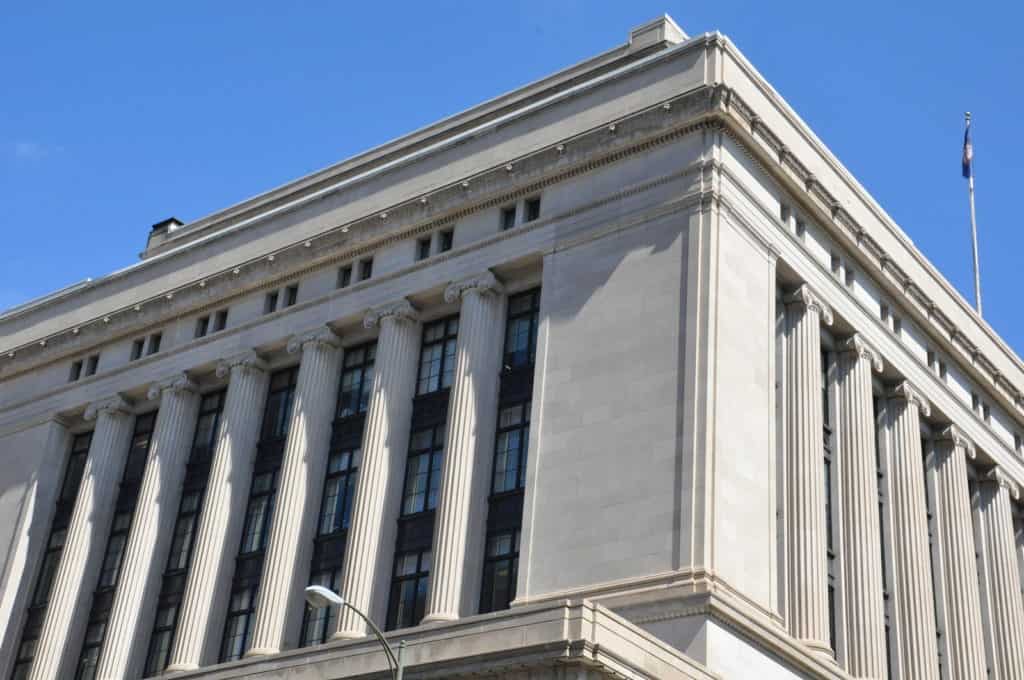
[[400, 310], [246, 361], [180, 382], [810, 300], [115, 406], [323, 336], [485, 283], [956, 436], [856, 345], [999, 477], [911, 395]]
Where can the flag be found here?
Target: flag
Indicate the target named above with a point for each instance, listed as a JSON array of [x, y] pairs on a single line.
[[968, 151]]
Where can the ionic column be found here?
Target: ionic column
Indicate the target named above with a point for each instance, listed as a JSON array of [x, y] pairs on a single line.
[[1006, 604], [805, 463], [131, 616], [471, 411], [864, 609], [963, 603], [303, 466], [219, 530], [911, 555], [64, 624], [371, 534]]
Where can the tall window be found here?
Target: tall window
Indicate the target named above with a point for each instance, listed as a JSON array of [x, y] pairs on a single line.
[[356, 380], [932, 548], [521, 329], [239, 623], [278, 412], [339, 488], [423, 470], [51, 558], [882, 467], [113, 556], [318, 622], [409, 589], [510, 451], [826, 411], [259, 512], [437, 356], [501, 566], [179, 557]]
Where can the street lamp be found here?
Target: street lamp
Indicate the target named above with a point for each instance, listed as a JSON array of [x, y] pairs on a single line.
[[319, 596]]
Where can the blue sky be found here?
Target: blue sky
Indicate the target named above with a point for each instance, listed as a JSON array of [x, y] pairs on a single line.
[[114, 116]]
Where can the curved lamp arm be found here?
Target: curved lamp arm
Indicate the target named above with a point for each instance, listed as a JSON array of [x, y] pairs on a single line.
[[392, 660]]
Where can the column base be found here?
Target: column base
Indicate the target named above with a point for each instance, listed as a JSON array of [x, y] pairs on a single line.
[[439, 618], [181, 668], [348, 635], [821, 649], [261, 651]]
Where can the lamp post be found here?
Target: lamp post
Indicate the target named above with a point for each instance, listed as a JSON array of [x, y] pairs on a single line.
[[319, 596]]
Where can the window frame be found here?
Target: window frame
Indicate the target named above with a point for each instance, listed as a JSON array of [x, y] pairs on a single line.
[[448, 342]]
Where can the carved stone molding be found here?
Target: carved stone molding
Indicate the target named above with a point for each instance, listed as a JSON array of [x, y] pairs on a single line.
[[855, 344], [904, 390], [952, 433], [247, 360], [811, 300], [999, 477], [176, 383], [485, 283], [401, 310], [115, 405], [323, 335]]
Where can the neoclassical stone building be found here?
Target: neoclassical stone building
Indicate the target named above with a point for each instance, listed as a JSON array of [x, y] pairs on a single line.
[[619, 375]]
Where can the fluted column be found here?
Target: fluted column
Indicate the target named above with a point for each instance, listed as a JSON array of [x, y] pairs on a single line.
[[64, 624], [219, 530], [1005, 602], [805, 463], [131, 617], [371, 534], [963, 604], [303, 466], [471, 411], [911, 555]]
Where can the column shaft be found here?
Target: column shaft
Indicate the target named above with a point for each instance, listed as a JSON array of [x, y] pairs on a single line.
[[371, 535], [219, 529], [864, 609], [303, 466], [911, 555], [471, 412], [64, 624], [1006, 605], [961, 593], [131, 617], [806, 537]]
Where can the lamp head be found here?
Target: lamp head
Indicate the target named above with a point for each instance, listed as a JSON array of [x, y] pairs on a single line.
[[319, 596]]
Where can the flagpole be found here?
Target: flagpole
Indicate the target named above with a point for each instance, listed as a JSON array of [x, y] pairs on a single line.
[[974, 230]]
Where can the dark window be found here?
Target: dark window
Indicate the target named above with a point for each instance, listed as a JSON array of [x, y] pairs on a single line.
[[365, 268], [259, 512], [184, 531], [318, 622], [437, 355], [76, 467], [202, 326], [23, 660], [339, 488], [238, 627], [532, 209], [91, 364], [270, 303], [137, 347], [208, 422], [521, 329], [356, 380], [510, 450], [291, 295], [94, 633], [115, 550], [501, 565], [447, 240], [508, 217], [76, 371], [160, 643], [154, 343], [423, 470], [51, 560], [220, 320], [278, 412], [423, 248], [829, 533], [409, 589], [344, 276]]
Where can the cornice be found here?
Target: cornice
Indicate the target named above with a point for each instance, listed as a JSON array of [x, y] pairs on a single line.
[[856, 345], [807, 298], [115, 405], [399, 310], [999, 477], [952, 434], [322, 337], [248, 360], [484, 283], [179, 383], [908, 393]]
